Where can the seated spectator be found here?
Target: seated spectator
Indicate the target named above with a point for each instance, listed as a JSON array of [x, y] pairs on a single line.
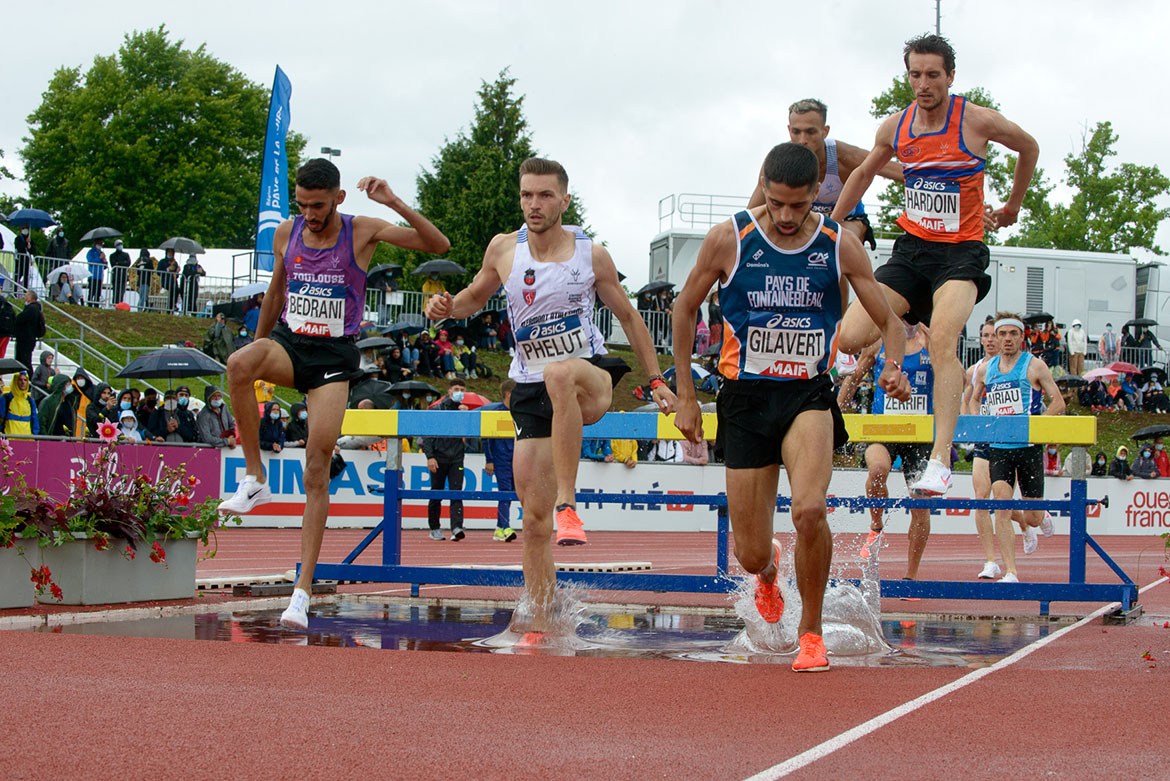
[[1117, 397], [1145, 466], [215, 423], [272, 434], [695, 452], [394, 367], [297, 433], [1154, 396], [65, 291], [1133, 396], [18, 409], [1100, 465], [596, 450], [44, 371], [446, 355], [1119, 467], [484, 332], [429, 364], [1161, 457], [1052, 462], [625, 451], [242, 338], [465, 358], [128, 427]]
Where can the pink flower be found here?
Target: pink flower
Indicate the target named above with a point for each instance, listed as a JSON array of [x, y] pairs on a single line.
[[107, 431]]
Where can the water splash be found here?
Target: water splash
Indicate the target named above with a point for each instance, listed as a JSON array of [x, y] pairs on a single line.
[[569, 613]]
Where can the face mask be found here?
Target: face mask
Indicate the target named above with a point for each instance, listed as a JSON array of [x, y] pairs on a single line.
[[457, 395], [274, 415], [1051, 451], [1158, 447], [302, 415], [170, 405], [243, 333], [81, 383], [1146, 454], [124, 404], [183, 401], [406, 397], [217, 403], [24, 232], [458, 341], [1100, 462], [430, 399], [151, 403], [130, 425]]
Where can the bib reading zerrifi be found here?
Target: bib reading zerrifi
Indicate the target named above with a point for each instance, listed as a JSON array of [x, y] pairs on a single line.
[[781, 308], [550, 306], [326, 287]]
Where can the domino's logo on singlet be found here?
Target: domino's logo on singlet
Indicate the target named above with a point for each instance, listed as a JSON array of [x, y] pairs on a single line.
[[787, 346], [933, 203], [316, 309], [558, 340]]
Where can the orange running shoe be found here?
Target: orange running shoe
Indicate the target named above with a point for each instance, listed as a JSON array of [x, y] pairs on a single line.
[[529, 641], [570, 528], [812, 657], [869, 547], [768, 599]]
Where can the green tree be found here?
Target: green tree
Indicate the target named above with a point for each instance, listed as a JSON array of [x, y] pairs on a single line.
[[472, 191], [156, 141], [1112, 209]]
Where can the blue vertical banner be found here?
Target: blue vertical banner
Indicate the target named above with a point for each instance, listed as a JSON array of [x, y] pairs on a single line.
[[274, 175]]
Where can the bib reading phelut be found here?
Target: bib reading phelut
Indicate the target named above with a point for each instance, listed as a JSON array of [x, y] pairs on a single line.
[[933, 203], [785, 346], [546, 343], [316, 309]]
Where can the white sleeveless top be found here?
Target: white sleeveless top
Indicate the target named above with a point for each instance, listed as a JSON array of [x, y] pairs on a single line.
[[550, 306], [832, 185]]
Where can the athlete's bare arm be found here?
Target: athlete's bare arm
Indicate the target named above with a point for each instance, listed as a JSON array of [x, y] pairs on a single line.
[[856, 268], [978, 381], [865, 362], [610, 291], [273, 303], [714, 263], [487, 281], [989, 125], [849, 157], [422, 235], [862, 176], [1040, 374], [966, 406]]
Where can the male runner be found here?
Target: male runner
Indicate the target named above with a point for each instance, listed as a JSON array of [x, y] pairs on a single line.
[[551, 274], [807, 126], [879, 456], [318, 292], [938, 266], [1014, 382], [780, 270]]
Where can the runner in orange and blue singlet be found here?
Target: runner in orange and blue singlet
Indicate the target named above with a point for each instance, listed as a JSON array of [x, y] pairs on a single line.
[[937, 271]]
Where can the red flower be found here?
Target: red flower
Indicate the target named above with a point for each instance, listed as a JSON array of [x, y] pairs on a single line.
[[101, 543], [55, 590], [129, 551], [183, 500]]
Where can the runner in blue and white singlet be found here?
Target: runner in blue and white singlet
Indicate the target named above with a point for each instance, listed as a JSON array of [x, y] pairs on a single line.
[[550, 306], [832, 185], [1011, 393], [916, 367]]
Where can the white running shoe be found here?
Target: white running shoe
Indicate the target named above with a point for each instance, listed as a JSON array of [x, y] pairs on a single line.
[[248, 494], [1047, 527], [935, 479], [1031, 539], [1009, 578], [991, 571], [296, 615]]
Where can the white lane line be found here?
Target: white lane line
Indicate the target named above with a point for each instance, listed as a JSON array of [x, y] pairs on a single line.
[[861, 730]]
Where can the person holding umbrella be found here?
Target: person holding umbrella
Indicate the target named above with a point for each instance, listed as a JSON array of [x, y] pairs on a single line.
[[96, 259], [168, 275], [119, 270], [190, 274], [144, 267], [305, 337], [24, 254]]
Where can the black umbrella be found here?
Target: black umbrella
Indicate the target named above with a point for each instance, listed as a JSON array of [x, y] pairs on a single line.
[[1147, 322], [415, 386], [8, 365], [172, 362], [377, 391], [183, 246], [1037, 317], [654, 287], [374, 342], [1154, 371], [31, 218], [1071, 381], [439, 266], [379, 275], [101, 233], [401, 325], [1149, 432]]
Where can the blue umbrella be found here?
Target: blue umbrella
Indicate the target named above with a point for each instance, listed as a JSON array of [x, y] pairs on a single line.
[[31, 218], [697, 373], [401, 325]]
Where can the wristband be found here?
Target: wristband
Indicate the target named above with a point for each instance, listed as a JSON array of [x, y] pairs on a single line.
[[897, 365], [1012, 212], [656, 381]]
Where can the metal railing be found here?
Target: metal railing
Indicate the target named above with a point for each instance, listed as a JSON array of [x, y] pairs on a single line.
[[697, 210]]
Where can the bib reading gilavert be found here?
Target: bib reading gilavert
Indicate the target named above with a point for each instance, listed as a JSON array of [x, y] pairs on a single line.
[[781, 308], [326, 288]]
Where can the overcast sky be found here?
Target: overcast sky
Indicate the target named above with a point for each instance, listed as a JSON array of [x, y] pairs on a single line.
[[638, 100]]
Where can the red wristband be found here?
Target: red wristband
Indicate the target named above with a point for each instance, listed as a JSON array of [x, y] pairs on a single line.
[[656, 381], [897, 365]]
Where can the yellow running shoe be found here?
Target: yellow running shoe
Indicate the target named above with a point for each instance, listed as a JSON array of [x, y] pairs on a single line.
[[768, 599], [570, 528], [812, 657]]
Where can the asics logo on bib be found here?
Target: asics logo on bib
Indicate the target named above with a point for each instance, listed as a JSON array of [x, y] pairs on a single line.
[[539, 331], [313, 290], [928, 184], [789, 321]]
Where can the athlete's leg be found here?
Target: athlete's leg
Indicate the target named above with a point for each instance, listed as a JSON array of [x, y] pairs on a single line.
[[918, 536], [262, 359], [857, 328], [807, 450], [537, 488], [981, 482], [328, 405], [751, 505], [1004, 532], [580, 394], [952, 306], [877, 461]]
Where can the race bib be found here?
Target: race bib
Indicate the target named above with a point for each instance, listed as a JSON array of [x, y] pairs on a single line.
[[933, 203], [1005, 400], [917, 404], [546, 343], [788, 347], [315, 309]]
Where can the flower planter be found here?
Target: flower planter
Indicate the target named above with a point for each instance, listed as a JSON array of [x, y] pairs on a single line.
[[16, 588], [88, 576]]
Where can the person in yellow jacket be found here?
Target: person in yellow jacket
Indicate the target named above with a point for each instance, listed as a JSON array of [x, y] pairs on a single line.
[[18, 409], [625, 451]]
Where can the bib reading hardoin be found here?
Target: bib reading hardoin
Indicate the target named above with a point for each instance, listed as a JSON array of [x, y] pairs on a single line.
[[781, 307]]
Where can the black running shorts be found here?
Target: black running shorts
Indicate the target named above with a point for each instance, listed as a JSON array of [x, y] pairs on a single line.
[[914, 456], [754, 416], [1025, 463], [917, 268], [982, 450], [868, 238], [318, 360], [531, 407]]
